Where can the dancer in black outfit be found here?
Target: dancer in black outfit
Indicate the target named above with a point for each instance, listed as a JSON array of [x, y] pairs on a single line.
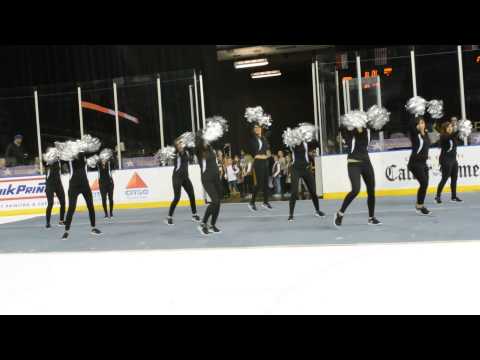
[[106, 185], [448, 161], [301, 170], [211, 183], [181, 179], [259, 146], [54, 187], [79, 185], [359, 165], [417, 163]]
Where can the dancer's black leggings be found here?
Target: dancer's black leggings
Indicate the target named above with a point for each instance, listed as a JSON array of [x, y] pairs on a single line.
[[306, 175], [179, 182], [72, 204], [449, 170], [356, 170], [261, 176], [50, 191], [106, 189], [213, 187], [419, 169]]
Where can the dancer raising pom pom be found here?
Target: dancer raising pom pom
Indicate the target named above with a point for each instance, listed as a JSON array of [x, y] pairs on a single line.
[[259, 147], [357, 133]]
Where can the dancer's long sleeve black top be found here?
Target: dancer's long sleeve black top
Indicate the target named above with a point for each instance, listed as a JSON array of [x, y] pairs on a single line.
[[420, 144], [300, 155], [448, 144], [357, 143], [78, 172], [259, 146], [181, 162], [52, 176], [208, 163], [105, 172]]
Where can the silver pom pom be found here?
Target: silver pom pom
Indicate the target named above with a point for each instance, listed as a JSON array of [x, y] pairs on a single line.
[[435, 109], [252, 114], [51, 156], [377, 117], [292, 137], [265, 121], [68, 150], [354, 119], [214, 129], [186, 140], [89, 144], [106, 154], [464, 128], [92, 161], [307, 131], [165, 154], [258, 116], [416, 105]]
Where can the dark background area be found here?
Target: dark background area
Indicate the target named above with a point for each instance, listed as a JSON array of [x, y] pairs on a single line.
[[288, 98]]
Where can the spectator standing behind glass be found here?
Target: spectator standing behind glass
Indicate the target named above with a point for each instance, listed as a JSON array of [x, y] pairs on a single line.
[[283, 171], [288, 174], [231, 174], [276, 174], [240, 180], [15, 153], [270, 170]]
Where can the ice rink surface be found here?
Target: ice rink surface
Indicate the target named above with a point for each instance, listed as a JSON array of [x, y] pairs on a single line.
[[144, 228], [258, 265]]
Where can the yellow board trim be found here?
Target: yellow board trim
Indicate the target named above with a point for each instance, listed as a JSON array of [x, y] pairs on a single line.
[[400, 192], [98, 207]]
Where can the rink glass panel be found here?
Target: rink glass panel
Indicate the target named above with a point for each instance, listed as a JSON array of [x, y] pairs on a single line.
[[17, 116]]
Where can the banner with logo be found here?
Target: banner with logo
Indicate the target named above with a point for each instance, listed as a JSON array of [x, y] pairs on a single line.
[[391, 174], [150, 187]]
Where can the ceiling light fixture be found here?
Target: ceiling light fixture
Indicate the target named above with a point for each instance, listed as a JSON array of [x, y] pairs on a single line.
[[250, 63], [265, 74]]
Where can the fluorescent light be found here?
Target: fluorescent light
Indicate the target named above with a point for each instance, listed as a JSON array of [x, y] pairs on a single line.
[[264, 74], [250, 63]]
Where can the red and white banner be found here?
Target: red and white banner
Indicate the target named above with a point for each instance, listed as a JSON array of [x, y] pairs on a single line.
[[92, 106]]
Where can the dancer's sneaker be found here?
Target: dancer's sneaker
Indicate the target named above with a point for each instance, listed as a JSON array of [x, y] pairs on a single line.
[[374, 221], [337, 219], [291, 219], [48, 226], [169, 221], [95, 231], [423, 211], [456, 199], [214, 229], [196, 218], [65, 235], [319, 214], [203, 228], [61, 223], [267, 206], [438, 200], [252, 207]]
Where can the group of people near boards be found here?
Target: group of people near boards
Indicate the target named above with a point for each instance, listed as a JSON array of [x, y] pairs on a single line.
[[356, 129]]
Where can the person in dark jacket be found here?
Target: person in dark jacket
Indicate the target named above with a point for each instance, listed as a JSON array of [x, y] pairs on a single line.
[[181, 179], [54, 187], [259, 146], [106, 185], [448, 160], [359, 166], [211, 183], [301, 170], [417, 164], [15, 153], [79, 185]]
